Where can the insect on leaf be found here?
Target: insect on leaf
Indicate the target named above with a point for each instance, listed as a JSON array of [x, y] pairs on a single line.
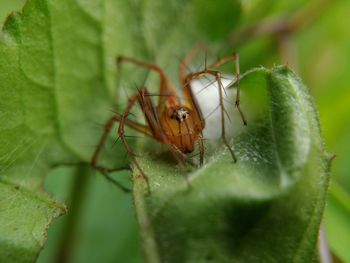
[[267, 206]]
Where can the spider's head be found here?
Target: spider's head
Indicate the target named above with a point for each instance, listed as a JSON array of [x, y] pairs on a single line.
[[180, 114]]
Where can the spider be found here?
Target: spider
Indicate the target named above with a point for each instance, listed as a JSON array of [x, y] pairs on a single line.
[[178, 124]]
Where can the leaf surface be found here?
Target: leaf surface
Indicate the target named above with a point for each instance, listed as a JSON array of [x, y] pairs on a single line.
[[57, 77], [267, 206]]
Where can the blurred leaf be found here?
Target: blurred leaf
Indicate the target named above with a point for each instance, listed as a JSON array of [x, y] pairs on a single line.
[[57, 77], [6, 7], [337, 222], [209, 16], [106, 227], [326, 70], [266, 207], [50, 76], [24, 219]]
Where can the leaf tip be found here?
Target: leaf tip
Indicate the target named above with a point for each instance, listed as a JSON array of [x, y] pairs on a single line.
[[11, 24]]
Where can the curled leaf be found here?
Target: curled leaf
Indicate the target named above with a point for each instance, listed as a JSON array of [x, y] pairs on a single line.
[[268, 206]]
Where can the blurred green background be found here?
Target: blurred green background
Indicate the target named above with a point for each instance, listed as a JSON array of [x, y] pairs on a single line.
[[319, 51]]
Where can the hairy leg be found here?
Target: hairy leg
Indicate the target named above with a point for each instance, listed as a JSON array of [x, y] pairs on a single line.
[[233, 57], [217, 76], [166, 88]]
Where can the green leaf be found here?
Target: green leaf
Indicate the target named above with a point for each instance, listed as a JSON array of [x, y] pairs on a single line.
[[24, 219], [57, 77], [6, 7], [209, 16], [326, 71], [268, 206], [49, 77], [337, 221]]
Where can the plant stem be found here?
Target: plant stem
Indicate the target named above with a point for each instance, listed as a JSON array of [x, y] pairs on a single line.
[[288, 25], [149, 244], [78, 194]]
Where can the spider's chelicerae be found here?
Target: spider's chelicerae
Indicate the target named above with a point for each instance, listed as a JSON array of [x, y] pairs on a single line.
[[178, 124]]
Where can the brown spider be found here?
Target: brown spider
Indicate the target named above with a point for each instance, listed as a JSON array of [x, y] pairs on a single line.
[[179, 124]]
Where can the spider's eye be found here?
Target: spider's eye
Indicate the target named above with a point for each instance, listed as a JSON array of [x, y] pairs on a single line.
[[180, 114]]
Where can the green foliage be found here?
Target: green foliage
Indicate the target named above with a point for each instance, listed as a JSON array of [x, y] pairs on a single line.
[[268, 205], [57, 77], [207, 17], [326, 70], [24, 219], [6, 7], [52, 88]]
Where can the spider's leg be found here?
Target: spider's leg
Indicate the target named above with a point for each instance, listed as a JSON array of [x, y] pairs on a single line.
[[107, 129], [222, 107], [113, 181], [180, 156], [166, 87], [201, 149], [152, 119], [104, 171], [233, 57], [183, 68], [187, 90], [123, 122]]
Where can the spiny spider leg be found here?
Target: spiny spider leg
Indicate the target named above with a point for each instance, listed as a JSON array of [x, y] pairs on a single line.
[[174, 122], [122, 123], [104, 171], [165, 86], [190, 100], [201, 149], [107, 129], [232, 57], [217, 76], [235, 57], [166, 91]]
